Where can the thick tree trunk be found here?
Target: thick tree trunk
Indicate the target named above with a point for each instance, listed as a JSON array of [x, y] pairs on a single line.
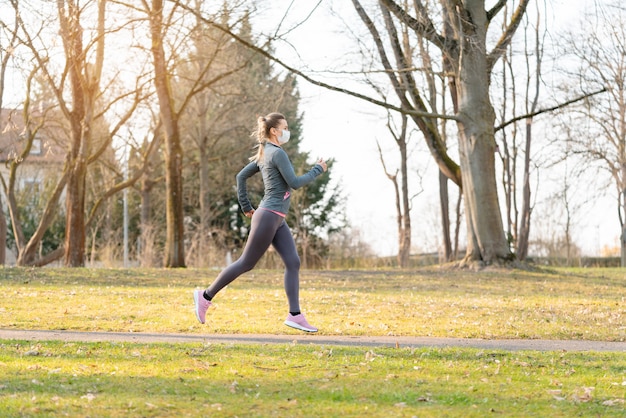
[[174, 244], [75, 209], [486, 240], [84, 78], [71, 33]]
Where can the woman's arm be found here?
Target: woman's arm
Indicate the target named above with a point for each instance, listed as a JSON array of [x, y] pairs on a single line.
[[286, 170], [242, 190]]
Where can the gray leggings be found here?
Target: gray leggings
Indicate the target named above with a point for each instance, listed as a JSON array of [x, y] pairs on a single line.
[[266, 228]]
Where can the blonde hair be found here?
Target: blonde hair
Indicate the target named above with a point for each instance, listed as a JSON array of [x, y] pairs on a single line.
[[262, 134]]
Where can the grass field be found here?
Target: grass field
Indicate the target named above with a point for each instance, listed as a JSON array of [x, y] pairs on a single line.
[[56, 378]]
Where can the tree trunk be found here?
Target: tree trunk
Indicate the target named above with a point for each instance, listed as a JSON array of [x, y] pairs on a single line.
[[27, 253], [486, 240], [75, 207], [174, 244], [145, 249], [205, 203], [444, 204], [405, 221], [524, 230], [71, 33]]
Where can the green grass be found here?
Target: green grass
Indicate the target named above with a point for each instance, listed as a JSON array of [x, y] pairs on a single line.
[[287, 380], [55, 378], [495, 304]]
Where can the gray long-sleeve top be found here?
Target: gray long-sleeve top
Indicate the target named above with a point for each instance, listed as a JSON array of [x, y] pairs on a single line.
[[279, 178]]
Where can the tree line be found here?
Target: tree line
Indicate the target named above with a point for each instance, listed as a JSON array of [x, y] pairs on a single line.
[[465, 78]]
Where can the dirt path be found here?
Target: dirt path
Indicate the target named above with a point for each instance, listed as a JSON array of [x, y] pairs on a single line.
[[511, 345]]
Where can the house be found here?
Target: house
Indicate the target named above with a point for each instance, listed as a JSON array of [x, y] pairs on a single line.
[[43, 163], [45, 158]]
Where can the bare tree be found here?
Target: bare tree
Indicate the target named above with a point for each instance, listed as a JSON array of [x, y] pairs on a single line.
[[519, 220], [563, 209], [174, 246], [79, 119], [461, 38], [171, 108], [84, 80], [401, 190], [403, 53], [599, 49]]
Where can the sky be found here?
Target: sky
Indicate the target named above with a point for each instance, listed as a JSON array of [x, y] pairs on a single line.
[[347, 129]]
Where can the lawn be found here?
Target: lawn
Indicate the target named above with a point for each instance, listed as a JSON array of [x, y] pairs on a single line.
[[55, 378]]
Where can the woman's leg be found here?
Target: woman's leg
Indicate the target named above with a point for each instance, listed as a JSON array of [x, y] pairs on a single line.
[[262, 232], [286, 247]]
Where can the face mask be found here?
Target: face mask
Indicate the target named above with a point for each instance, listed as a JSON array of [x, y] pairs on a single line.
[[284, 137]]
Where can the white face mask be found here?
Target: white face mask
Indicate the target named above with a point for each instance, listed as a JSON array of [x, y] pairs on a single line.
[[284, 137]]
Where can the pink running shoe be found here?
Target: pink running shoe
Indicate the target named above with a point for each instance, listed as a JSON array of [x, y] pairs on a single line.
[[299, 322], [202, 305]]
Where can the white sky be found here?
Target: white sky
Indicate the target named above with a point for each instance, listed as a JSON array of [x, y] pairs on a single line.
[[346, 128]]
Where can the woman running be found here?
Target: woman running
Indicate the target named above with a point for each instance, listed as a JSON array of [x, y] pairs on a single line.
[[268, 224]]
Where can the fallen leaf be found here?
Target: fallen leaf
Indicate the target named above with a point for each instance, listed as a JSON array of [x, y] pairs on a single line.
[[585, 396], [613, 402], [90, 397]]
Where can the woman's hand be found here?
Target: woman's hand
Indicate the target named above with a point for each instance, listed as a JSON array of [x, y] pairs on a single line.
[[249, 213], [322, 163]]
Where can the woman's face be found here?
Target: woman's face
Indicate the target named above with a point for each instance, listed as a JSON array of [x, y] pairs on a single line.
[[282, 126]]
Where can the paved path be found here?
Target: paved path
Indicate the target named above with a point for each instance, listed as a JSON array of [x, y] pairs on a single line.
[[512, 345]]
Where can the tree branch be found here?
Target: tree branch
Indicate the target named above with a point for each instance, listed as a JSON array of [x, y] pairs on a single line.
[[495, 9], [507, 36], [546, 110], [50, 257], [299, 73], [423, 26], [152, 147]]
